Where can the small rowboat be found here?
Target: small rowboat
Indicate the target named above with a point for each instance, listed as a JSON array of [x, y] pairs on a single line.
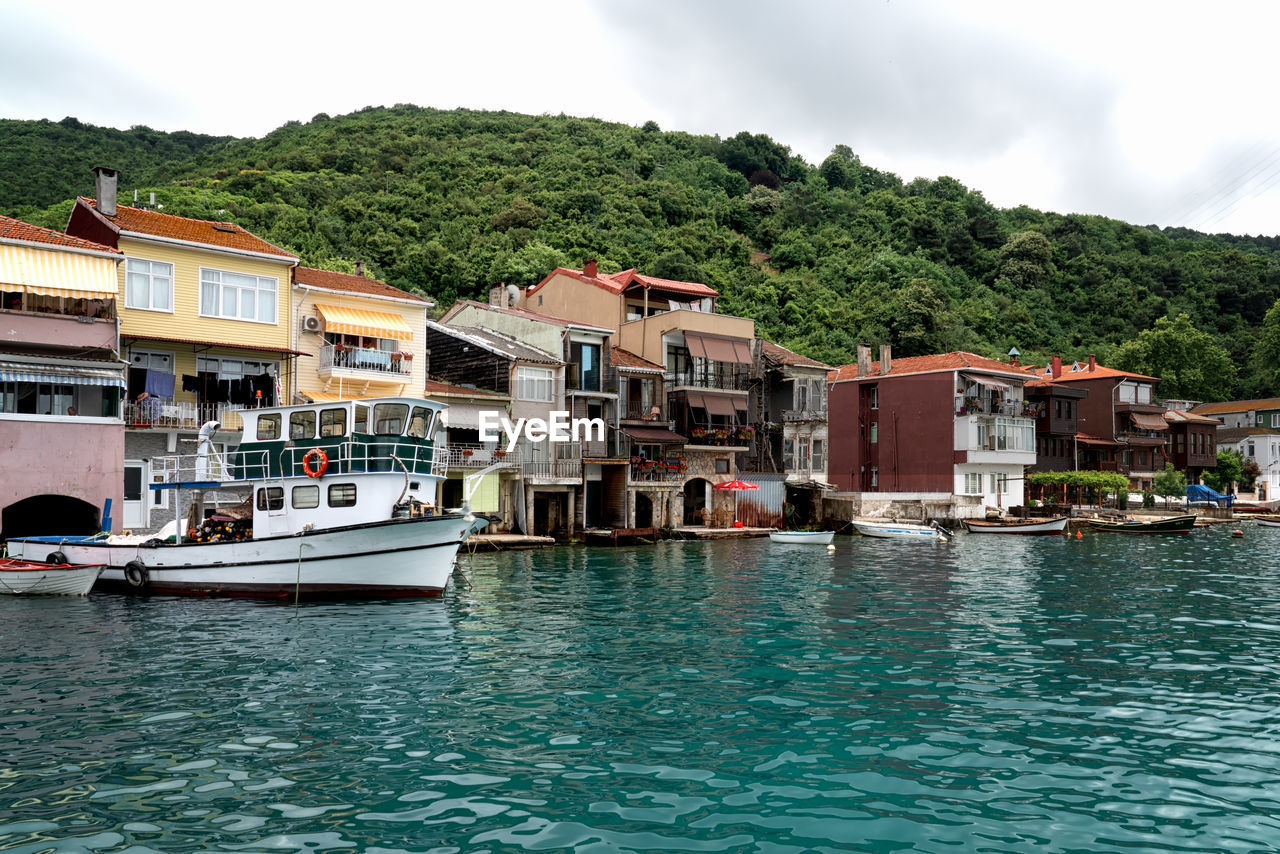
[[1171, 525], [1268, 521], [813, 538], [30, 578], [932, 532], [1016, 526]]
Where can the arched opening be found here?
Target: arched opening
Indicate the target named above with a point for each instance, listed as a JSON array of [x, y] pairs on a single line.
[[644, 511], [52, 515], [696, 499]]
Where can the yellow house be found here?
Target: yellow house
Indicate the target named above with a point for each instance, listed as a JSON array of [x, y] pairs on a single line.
[[205, 326], [368, 338]]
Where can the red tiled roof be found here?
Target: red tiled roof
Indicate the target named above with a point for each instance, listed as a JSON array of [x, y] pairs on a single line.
[[16, 229], [616, 283], [350, 283], [1237, 406], [1177, 415], [1098, 372], [957, 360], [783, 356], [437, 387], [518, 312], [626, 359], [224, 235]]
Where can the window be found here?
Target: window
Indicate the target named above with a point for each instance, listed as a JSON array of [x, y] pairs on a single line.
[[802, 459], [306, 497], [875, 432], [802, 395], [1250, 451], [535, 384], [269, 426], [586, 362], [237, 296], [389, 418], [875, 476], [333, 422], [788, 454], [819, 461], [817, 388], [271, 498], [999, 483], [342, 495], [873, 395], [362, 419], [1275, 419], [419, 422], [148, 285], [972, 483], [302, 425], [722, 466]]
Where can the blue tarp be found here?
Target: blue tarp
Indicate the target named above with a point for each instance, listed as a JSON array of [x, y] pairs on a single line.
[[1199, 492]]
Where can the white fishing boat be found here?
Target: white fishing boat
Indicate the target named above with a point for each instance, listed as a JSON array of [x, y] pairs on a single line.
[[930, 532], [813, 538], [339, 503], [1016, 526], [30, 578]]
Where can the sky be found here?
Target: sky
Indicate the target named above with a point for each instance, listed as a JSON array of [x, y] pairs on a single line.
[[1152, 113]]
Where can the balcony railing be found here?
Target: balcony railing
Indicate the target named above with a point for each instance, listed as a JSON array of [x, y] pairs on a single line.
[[804, 415], [1014, 409], [638, 412], [183, 415], [671, 470], [721, 436], [478, 456], [997, 433], [560, 469], [709, 377], [344, 458], [364, 360]]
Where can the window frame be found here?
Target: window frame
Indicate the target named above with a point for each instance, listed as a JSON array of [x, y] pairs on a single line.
[[203, 308], [339, 491], [524, 379], [151, 277]]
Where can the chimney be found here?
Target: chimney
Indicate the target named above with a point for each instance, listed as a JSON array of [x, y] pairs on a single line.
[[498, 295], [359, 268], [1093, 363], [1055, 367], [104, 183], [589, 269], [864, 360], [886, 358]]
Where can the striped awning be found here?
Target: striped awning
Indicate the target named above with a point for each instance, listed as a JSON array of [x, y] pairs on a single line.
[[53, 273], [362, 321], [16, 372]]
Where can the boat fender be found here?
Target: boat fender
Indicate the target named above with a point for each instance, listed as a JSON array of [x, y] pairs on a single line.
[[55, 557], [136, 574], [153, 542], [320, 459]]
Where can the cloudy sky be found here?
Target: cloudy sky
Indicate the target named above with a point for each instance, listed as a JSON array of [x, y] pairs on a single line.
[[1148, 112]]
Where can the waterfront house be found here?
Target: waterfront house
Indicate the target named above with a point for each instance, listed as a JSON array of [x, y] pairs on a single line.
[[655, 451], [205, 326], [706, 358], [366, 338], [1259, 412], [61, 381], [950, 433], [544, 500], [1120, 425], [492, 492], [1192, 444], [1262, 446]]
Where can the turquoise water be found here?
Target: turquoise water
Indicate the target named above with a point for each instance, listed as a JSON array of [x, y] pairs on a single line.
[[993, 694]]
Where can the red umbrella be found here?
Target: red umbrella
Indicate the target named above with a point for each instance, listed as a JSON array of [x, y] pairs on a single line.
[[736, 484]]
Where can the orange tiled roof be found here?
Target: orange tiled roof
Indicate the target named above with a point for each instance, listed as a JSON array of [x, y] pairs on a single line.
[[1177, 415], [957, 360], [783, 356], [350, 283], [616, 283], [16, 229], [441, 388], [1237, 406], [626, 359], [224, 235], [518, 312], [1098, 372]]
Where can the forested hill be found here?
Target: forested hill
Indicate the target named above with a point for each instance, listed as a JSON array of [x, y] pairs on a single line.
[[822, 256]]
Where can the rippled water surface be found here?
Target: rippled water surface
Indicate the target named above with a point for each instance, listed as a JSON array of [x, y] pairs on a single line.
[[993, 694]]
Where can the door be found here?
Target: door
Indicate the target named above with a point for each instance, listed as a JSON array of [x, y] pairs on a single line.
[[134, 513]]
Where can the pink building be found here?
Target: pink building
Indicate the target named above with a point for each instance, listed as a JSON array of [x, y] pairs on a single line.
[[61, 379]]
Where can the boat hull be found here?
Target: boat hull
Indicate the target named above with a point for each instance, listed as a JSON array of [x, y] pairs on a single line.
[[897, 531], [1172, 525], [813, 538], [1268, 521], [28, 578], [1036, 527], [411, 557]]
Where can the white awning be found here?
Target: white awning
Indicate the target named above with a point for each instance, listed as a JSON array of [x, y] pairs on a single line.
[[17, 372], [988, 382], [52, 273], [467, 415]]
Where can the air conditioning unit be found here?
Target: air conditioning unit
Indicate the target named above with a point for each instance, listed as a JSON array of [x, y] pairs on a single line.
[[310, 323]]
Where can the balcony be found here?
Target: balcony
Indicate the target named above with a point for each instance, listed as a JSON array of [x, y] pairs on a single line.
[[1011, 409], [1144, 438], [640, 412], [804, 415], [552, 470], [672, 470], [48, 328], [462, 456], [182, 415], [996, 438], [364, 362], [737, 438], [717, 375]]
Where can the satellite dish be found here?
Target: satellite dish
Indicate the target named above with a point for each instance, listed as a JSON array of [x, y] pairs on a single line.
[[513, 295]]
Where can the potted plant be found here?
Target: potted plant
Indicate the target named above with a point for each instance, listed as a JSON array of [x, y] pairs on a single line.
[[466, 452], [698, 433]]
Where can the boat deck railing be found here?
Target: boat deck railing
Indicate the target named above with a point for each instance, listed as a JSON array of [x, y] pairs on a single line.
[[235, 467]]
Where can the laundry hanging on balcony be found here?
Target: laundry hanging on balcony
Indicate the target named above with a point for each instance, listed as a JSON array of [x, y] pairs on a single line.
[[361, 321]]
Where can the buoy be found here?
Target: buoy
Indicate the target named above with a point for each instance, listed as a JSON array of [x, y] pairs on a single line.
[[1079, 534], [830, 547], [1237, 533]]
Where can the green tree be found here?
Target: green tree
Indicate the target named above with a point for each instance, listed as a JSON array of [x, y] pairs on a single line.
[[1229, 471], [1186, 359], [1265, 364], [1169, 482]]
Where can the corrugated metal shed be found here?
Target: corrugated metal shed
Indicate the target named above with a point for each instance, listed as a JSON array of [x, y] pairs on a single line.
[[762, 508]]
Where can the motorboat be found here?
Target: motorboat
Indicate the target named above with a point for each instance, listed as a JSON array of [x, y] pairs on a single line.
[[1016, 526], [813, 538], [1268, 521], [33, 578], [927, 532], [1169, 525], [338, 502]]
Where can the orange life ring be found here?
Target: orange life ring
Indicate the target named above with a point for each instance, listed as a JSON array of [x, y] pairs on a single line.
[[322, 462]]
